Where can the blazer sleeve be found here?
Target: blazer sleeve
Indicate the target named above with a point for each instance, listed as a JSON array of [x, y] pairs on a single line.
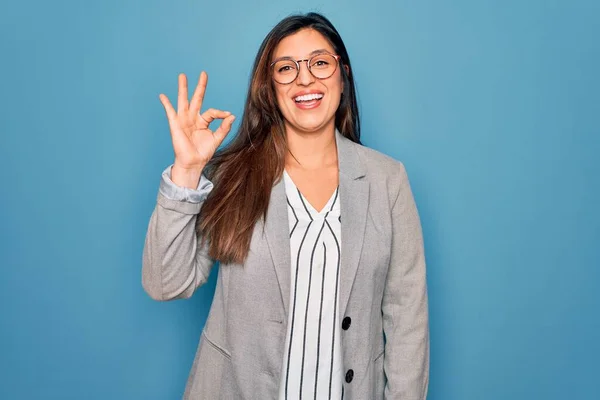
[[174, 264], [405, 304]]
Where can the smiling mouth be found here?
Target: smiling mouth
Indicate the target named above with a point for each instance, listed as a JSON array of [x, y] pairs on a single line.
[[308, 98]]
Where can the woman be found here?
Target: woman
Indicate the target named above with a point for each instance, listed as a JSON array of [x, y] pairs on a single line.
[[318, 237]]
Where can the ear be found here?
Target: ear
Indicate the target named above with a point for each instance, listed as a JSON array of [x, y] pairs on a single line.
[[347, 73]]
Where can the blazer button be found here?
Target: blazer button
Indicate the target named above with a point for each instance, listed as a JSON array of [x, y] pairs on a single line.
[[346, 323], [349, 376]]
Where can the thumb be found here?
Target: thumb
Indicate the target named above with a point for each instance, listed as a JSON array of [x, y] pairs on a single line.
[[224, 128]]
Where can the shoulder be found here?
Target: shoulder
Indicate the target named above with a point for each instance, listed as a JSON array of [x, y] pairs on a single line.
[[382, 169], [378, 163]]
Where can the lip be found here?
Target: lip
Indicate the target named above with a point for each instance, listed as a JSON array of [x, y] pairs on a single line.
[[305, 92]]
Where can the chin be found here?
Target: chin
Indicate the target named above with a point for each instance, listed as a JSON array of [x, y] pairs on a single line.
[[310, 124], [310, 127]]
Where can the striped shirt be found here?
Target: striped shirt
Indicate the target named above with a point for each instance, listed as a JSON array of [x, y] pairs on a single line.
[[312, 367]]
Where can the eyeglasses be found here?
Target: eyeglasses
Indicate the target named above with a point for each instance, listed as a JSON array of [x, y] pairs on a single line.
[[321, 66]]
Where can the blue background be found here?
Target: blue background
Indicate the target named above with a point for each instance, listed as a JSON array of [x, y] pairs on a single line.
[[492, 105]]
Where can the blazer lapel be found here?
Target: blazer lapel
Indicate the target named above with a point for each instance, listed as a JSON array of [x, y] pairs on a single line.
[[354, 201], [278, 237]]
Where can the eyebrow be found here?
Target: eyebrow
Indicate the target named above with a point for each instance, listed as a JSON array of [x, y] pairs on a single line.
[[312, 53]]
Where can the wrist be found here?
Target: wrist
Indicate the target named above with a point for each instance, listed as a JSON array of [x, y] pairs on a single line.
[[186, 177]]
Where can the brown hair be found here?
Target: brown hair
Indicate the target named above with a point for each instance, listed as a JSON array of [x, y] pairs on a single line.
[[245, 171]]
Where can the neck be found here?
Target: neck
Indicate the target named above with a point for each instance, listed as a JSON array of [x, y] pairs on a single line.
[[311, 150]]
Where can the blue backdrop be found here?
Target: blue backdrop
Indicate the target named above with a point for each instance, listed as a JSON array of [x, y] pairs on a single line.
[[492, 106]]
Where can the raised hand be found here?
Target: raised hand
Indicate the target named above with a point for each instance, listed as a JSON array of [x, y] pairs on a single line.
[[193, 142]]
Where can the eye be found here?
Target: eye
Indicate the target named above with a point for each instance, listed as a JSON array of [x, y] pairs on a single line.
[[323, 61], [284, 67]]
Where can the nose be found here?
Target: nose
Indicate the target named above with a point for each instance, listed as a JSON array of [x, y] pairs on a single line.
[[305, 77]]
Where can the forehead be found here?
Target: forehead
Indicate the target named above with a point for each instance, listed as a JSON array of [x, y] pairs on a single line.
[[301, 44]]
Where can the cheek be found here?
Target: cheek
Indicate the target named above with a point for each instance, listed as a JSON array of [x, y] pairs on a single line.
[[335, 91], [336, 96], [281, 96]]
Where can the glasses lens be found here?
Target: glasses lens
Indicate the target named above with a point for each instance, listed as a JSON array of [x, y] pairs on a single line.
[[285, 71], [323, 66]]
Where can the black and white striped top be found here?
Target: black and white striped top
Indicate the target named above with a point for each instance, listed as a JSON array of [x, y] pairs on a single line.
[[312, 367]]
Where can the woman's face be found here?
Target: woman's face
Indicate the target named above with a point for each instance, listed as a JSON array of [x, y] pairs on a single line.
[[308, 104]]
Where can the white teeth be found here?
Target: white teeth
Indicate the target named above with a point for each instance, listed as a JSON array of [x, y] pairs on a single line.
[[309, 97]]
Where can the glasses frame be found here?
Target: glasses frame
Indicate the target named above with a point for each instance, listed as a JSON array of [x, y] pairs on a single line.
[[307, 61]]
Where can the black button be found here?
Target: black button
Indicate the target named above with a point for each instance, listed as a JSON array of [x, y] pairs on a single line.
[[346, 323], [349, 376]]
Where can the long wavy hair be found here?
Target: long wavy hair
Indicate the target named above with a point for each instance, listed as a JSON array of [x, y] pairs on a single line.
[[245, 171]]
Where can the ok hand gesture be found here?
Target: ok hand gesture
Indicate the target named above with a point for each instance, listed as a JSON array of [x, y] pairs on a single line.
[[193, 142]]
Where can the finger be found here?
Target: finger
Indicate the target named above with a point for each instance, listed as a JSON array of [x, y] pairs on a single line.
[[182, 98], [211, 114], [224, 128], [198, 96], [171, 114]]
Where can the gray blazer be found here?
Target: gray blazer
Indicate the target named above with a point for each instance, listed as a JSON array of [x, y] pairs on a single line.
[[382, 288]]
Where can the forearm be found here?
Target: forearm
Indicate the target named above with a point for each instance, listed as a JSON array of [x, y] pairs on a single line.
[[173, 264]]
